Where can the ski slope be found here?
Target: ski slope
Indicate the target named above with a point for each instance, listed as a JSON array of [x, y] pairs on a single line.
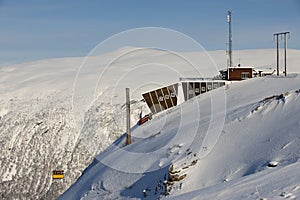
[[39, 131]]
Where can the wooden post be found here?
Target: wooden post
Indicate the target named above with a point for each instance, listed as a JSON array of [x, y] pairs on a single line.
[[128, 134]]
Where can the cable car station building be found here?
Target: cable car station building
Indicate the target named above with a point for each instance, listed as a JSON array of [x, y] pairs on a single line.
[[170, 96]]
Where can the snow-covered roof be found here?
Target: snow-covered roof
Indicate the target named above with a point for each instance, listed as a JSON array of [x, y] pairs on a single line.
[[242, 67], [196, 79], [265, 70]]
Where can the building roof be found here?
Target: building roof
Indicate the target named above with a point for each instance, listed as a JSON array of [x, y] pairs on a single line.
[[195, 79], [241, 67]]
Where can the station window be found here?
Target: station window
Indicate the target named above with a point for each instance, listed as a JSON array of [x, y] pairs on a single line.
[[245, 75]]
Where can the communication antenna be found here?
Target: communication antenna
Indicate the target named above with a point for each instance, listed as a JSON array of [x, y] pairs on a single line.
[[277, 36], [229, 39]]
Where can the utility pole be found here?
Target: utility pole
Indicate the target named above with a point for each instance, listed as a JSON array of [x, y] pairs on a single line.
[[285, 46], [128, 134]]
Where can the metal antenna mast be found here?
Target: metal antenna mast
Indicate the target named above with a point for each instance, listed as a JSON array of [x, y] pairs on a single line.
[[229, 39], [285, 46]]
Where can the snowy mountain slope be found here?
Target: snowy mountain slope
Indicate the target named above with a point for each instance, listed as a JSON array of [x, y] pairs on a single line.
[[262, 125], [39, 132], [282, 183], [255, 135]]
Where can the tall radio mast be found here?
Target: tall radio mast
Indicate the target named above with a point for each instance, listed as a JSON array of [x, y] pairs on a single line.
[[229, 39]]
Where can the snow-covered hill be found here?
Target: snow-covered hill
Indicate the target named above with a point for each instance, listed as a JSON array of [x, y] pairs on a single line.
[[261, 127], [39, 132]]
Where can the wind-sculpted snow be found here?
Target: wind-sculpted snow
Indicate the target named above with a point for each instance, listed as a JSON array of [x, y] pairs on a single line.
[[251, 139]]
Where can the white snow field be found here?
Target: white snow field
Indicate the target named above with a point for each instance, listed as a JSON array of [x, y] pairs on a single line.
[[216, 146]]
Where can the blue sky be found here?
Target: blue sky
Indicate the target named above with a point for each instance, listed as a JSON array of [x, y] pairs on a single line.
[[39, 29]]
